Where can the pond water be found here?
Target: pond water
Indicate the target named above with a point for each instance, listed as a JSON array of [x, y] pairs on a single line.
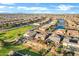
[[59, 27], [60, 24]]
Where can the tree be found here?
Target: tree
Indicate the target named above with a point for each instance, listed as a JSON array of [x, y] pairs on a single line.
[[1, 44], [42, 51]]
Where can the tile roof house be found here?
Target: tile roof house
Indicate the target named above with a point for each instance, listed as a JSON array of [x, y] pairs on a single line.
[[60, 31], [72, 33], [71, 24], [72, 44], [40, 35], [55, 38]]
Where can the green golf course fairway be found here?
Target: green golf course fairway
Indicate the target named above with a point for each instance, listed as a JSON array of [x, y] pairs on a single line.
[[11, 35], [14, 33]]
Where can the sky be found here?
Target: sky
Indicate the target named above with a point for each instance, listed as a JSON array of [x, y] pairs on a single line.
[[42, 8]]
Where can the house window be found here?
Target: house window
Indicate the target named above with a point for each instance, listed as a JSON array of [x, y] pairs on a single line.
[[73, 41]]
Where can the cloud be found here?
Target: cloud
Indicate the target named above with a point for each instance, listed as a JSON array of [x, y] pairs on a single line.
[[38, 1], [20, 7], [8, 1], [3, 11], [50, 8], [73, 12], [33, 8], [10, 7], [2, 6], [41, 12], [65, 7]]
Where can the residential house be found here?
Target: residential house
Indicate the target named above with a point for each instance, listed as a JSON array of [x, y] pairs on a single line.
[[60, 31], [54, 38], [71, 44], [72, 33]]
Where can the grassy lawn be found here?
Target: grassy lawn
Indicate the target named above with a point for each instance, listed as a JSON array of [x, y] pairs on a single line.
[[29, 52], [11, 35], [19, 48], [14, 33], [6, 49], [49, 54]]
